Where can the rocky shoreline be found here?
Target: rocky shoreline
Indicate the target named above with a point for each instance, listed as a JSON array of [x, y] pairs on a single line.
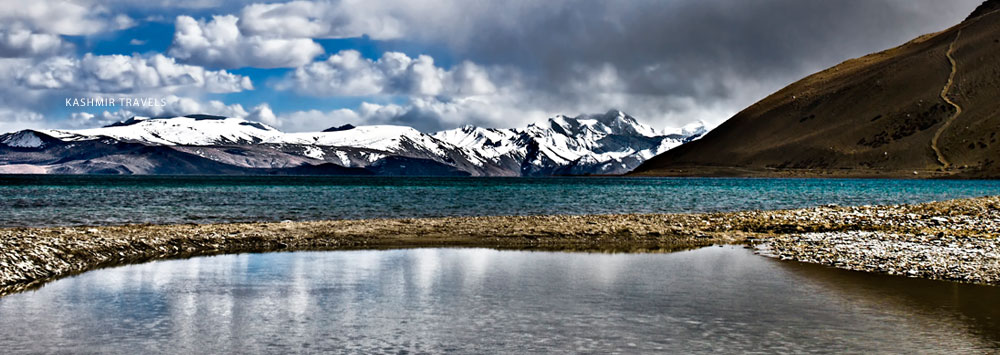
[[950, 240]]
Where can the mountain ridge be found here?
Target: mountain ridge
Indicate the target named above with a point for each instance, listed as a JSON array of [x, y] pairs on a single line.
[[613, 143]]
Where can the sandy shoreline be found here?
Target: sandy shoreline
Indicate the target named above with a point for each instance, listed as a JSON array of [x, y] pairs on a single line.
[[951, 240]]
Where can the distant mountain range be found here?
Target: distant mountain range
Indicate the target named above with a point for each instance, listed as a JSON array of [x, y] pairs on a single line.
[[928, 108], [610, 143]]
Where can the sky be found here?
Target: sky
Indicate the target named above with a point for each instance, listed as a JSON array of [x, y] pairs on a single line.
[[432, 65]]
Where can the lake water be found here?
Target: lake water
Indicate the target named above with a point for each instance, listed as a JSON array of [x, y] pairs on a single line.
[[716, 299], [45, 200]]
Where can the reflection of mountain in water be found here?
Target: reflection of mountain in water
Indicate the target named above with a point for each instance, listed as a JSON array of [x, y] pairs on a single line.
[[971, 306]]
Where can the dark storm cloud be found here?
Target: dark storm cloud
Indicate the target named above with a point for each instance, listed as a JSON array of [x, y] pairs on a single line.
[[667, 62], [689, 48]]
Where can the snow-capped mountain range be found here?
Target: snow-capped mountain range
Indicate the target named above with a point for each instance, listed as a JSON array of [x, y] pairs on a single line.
[[610, 143]]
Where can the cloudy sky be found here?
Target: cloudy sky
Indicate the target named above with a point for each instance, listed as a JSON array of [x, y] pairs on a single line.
[[436, 64]]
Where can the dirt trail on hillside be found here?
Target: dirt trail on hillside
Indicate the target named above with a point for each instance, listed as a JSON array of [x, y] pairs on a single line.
[[944, 96]]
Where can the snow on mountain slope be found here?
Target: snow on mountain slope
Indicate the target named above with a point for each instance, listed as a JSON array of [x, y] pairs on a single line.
[[346, 146], [613, 142], [185, 130], [696, 129], [366, 145], [609, 143], [612, 122], [22, 139], [487, 144], [381, 137], [200, 130]]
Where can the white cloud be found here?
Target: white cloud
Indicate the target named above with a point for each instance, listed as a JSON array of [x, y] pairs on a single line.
[[126, 74], [56, 16], [322, 19], [88, 120], [279, 35], [12, 119], [177, 106], [262, 113], [25, 43], [348, 74], [33, 28], [316, 120], [220, 43], [122, 21], [509, 109], [427, 114]]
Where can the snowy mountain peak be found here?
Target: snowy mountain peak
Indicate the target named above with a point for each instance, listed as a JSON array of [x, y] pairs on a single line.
[[22, 139], [694, 129], [621, 123], [608, 143], [478, 138], [612, 122]]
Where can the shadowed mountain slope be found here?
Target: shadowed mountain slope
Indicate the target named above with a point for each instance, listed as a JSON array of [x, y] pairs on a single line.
[[928, 108]]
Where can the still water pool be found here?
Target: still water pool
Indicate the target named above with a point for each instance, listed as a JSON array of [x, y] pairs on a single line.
[[716, 299]]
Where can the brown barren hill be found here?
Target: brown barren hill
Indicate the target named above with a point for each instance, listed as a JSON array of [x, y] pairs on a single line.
[[928, 108]]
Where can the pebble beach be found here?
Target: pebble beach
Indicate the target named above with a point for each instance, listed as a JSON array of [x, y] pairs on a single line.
[[951, 240]]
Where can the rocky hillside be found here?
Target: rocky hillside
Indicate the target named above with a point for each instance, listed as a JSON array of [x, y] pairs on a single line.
[[928, 108]]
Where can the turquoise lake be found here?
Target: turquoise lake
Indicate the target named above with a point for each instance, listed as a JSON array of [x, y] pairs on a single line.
[[720, 299], [45, 200]]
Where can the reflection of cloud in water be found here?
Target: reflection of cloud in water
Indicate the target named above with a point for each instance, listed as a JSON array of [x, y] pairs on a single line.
[[358, 266], [601, 268], [474, 264], [298, 301], [426, 264], [477, 300]]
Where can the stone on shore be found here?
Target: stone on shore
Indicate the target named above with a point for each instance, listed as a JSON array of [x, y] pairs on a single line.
[[950, 240]]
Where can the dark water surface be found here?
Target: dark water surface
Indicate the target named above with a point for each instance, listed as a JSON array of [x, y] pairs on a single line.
[[717, 299], [43, 200]]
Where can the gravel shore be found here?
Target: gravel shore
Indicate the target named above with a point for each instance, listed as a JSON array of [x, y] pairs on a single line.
[[951, 240]]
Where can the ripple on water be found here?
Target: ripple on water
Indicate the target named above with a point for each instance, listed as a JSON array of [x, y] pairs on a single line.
[[718, 299], [68, 200]]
